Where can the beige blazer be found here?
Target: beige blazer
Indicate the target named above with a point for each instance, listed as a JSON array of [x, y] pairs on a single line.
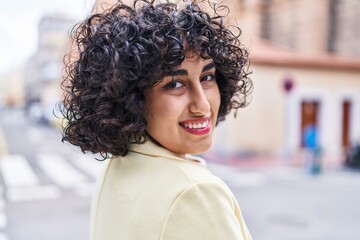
[[154, 194]]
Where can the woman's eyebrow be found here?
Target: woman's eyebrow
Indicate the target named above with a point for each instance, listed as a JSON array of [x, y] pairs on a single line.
[[179, 72], [208, 66]]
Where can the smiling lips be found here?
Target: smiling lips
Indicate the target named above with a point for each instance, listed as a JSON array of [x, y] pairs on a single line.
[[198, 127]]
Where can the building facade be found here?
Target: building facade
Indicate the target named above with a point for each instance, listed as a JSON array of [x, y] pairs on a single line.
[[309, 26], [324, 93], [43, 71]]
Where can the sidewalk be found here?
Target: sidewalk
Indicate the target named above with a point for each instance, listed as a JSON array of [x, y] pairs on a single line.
[[252, 162]]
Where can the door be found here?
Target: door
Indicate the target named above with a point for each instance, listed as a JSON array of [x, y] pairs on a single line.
[[346, 111]]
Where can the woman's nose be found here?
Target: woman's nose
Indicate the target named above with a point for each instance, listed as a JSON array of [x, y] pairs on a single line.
[[199, 103]]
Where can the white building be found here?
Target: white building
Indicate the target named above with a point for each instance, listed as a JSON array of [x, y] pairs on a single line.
[[325, 93]]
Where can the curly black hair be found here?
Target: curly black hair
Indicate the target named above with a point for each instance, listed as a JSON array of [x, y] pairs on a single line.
[[125, 50]]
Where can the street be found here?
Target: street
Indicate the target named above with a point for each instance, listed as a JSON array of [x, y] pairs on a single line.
[[46, 188], [46, 194], [287, 204]]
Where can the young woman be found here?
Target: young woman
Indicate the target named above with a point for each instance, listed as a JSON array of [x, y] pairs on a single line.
[[146, 88]]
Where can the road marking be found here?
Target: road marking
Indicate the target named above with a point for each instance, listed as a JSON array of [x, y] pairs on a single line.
[[33, 193], [60, 171], [17, 171], [89, 164]]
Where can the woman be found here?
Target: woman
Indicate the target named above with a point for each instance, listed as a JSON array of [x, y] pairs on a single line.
[[147, 87]]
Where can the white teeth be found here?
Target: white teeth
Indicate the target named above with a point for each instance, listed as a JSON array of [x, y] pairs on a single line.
[[196, 125]]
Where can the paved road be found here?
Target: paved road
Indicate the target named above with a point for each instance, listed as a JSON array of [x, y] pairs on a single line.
[[47, 186], [283, 203]]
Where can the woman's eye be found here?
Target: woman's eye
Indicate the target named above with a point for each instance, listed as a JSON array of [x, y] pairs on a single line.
[[174, 85], [207, 78]]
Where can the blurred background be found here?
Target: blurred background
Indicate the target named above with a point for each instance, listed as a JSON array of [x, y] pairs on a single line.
[[292, 157]]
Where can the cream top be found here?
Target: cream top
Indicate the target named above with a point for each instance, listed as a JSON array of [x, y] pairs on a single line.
[[153, 193]]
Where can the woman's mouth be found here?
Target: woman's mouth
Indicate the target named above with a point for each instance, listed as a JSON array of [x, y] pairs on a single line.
[[198, 127], [195, 125]]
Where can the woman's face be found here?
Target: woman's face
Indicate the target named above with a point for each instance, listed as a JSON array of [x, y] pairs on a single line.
[[182, 109]]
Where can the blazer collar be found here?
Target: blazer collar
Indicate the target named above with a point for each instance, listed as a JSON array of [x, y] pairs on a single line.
[[153, 149]]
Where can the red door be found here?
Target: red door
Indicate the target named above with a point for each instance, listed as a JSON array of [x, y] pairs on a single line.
[[346, 109]]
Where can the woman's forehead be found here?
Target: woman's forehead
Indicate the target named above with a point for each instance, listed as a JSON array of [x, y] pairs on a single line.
[[194, 60]]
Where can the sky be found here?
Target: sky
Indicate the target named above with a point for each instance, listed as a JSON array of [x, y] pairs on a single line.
[[18, 26]]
